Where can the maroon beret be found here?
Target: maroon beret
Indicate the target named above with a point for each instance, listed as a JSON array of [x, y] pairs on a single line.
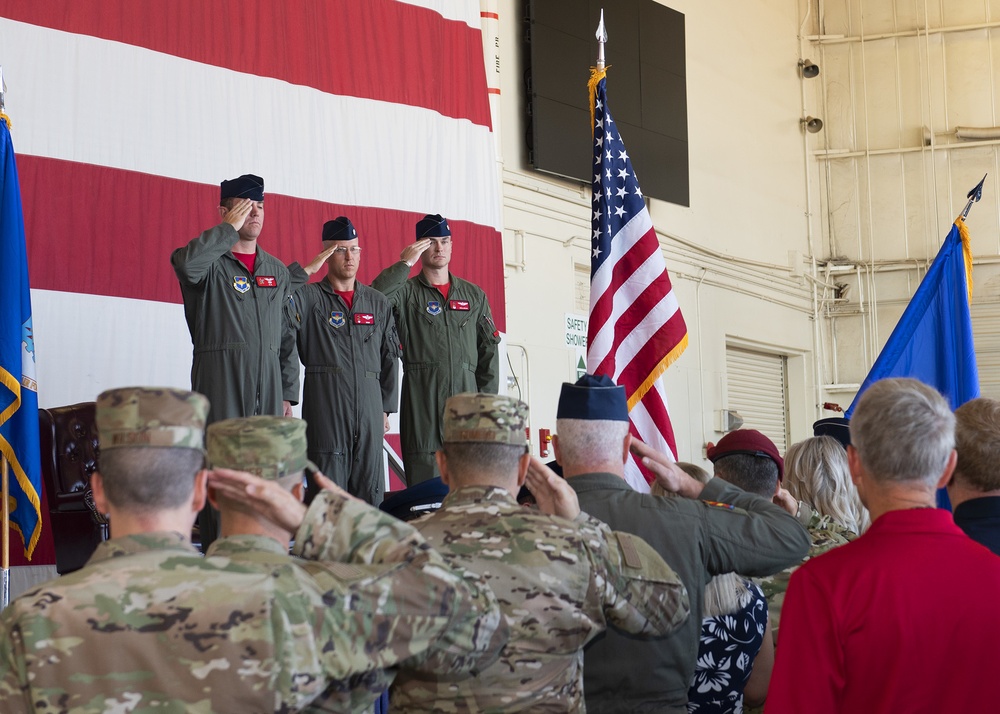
[[747, 441]]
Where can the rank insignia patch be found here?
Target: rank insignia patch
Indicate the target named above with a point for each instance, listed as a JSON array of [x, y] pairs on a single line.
[[364, 318], [434, 307], [241, 283], [337, 319]]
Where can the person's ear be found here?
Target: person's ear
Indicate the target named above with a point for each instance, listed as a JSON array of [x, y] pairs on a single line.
[[949, 470], [442, 462], [199, 493], [97, 488], [854, 464], [522, 468], [556, 450], [625, 447]]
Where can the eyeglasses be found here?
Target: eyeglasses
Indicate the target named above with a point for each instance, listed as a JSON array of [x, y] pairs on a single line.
[[343, 250]]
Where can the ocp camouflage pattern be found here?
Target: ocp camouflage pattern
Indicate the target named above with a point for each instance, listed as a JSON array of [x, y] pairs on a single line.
[[150, 625], [485, 418], [151, 416], [559, 584], [267, 446]]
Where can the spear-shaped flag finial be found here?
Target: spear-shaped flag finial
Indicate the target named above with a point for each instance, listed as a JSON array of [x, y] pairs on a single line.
[[973, 196], [602, 37]]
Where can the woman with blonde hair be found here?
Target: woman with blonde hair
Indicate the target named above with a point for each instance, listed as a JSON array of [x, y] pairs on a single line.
[[816, 474]]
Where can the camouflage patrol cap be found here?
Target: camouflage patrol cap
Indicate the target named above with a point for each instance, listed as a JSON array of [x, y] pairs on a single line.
[[271, 447], [485, 418], [151, 416]]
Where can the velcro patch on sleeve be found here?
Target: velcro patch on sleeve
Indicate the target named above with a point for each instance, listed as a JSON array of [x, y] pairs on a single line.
[[629, 552]]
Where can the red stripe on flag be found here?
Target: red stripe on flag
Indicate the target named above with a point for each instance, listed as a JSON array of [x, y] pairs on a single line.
[[649, 357], [386, 54], [659, 421], [602, 309], [105, 231]]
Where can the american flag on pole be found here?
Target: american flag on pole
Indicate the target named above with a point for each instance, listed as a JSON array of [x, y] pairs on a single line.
[[636, 328]]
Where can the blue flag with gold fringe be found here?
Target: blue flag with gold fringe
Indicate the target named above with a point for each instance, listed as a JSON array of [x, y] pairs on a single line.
[[932, 341], [18, 388]]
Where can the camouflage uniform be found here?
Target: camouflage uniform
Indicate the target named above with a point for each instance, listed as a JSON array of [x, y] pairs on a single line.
[[559, 583], [373, 544], [149, 624], [824, 534], [449, 347]]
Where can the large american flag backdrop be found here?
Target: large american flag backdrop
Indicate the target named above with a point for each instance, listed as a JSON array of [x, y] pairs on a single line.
[[636, 329], [127, 115]]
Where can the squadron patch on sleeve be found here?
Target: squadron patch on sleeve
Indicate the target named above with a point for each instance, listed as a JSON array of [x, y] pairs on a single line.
[[717, 504], [240, 283]]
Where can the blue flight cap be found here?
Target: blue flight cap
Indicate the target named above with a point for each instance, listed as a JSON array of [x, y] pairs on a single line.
[[246, 186], [340, 228], [837, 427], [433, 225], [593, 397]]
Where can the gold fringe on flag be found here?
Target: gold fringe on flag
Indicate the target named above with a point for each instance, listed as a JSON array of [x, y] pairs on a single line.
[[966, 253], [596, 75]]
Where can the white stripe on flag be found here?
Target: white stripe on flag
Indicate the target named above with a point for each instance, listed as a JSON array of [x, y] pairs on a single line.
[[206, 122], [636, 340]]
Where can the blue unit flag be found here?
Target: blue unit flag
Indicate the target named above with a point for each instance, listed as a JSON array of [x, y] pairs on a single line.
[[18, 388]]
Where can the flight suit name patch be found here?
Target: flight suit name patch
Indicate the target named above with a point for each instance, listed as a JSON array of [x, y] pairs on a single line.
[[267, 281], [337, 319], [240, 283], [364, 318], [458, 305], [433, 307]]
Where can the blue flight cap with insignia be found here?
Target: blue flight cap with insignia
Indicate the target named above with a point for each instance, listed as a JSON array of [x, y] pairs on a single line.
[[433, 225], [593, 397], [837, 427], [340, 228], [415, 501], [246, 186]]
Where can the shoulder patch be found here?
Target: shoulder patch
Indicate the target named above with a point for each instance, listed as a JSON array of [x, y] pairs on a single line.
[[629, 552], [717, 504]]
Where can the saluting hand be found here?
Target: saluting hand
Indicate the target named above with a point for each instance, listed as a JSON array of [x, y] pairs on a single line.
[[267, 498], [238, 212], [552, 494], [412, 252], [320, 260], [668, 474]]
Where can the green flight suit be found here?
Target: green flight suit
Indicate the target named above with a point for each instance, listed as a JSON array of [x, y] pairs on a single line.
[[245, 360], [351, 358], [449, 347]]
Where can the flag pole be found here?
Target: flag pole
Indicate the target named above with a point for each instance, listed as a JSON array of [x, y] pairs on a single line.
[[974, 195], [602, 37], [5, 517]]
